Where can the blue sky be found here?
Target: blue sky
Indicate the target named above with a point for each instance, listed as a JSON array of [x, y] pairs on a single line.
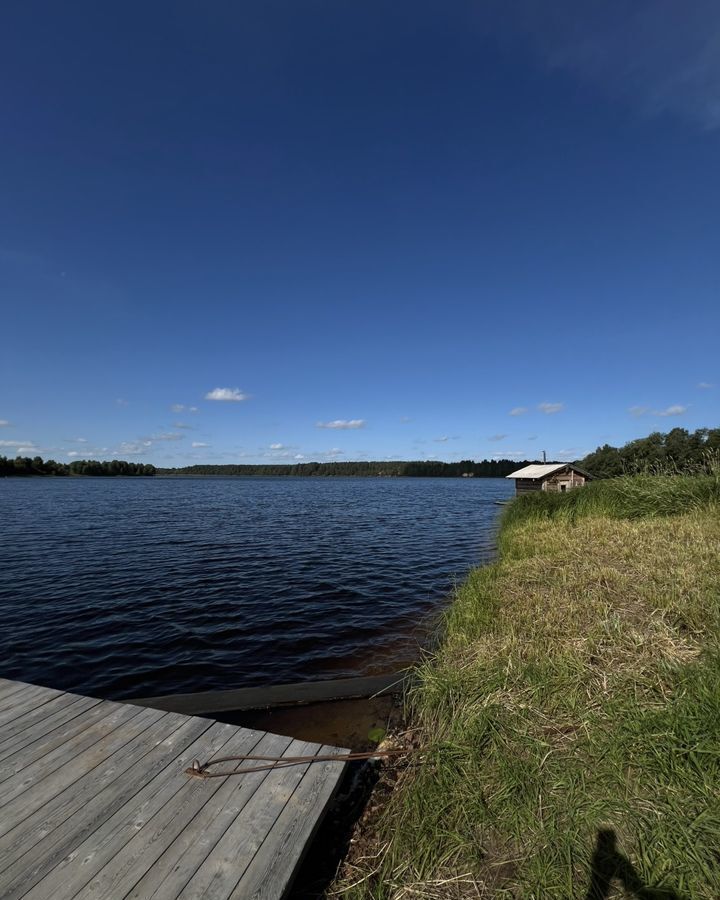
[[322, 230]]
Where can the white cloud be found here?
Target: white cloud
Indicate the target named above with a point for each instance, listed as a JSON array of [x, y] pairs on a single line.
[[277, 447], [181, 407], [234, 395], [551, 408], [132, 448], [518, 411], [299, 456], [25, 445], [199, 444], [405, 419], [4, 423], [674, 410], [121, 402], [342, 423], [657, 55], [84, 454], [497, 437], [335, 451], [184, 425], [703, 385], [570, 454], [164, 436], [441, 440]]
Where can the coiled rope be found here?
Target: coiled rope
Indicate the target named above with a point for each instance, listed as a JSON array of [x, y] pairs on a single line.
[[200, 770]]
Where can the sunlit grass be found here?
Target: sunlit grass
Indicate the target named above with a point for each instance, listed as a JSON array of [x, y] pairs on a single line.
[[577, 689]]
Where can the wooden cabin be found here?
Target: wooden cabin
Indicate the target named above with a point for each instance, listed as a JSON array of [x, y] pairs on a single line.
[[558, 477]]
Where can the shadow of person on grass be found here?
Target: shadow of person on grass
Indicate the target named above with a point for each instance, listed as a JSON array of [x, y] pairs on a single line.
[[608, 864]]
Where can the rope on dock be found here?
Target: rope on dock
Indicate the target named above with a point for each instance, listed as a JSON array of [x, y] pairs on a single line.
[[200, 770]]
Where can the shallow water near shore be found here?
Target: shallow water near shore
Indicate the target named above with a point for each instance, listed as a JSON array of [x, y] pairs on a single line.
[[123, 587]]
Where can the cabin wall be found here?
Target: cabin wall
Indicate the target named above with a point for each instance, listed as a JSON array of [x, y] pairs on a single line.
[[563, 481], [526, 485]]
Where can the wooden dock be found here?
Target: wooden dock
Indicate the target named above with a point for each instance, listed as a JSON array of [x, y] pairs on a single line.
[[95, 803]]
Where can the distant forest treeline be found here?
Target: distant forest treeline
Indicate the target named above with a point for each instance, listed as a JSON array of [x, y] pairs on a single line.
[[678, 450], [488, 468], [24, 465]]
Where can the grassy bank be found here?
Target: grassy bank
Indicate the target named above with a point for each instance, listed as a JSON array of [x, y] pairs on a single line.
[[572, 714]]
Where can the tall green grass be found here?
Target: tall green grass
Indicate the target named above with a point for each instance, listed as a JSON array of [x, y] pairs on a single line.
[[574, 704], [626, 497]]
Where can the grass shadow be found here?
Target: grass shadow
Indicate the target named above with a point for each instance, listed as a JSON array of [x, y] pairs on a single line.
[[609, 864]]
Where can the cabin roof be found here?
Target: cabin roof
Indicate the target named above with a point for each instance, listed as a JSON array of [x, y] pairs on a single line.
[[542, 470]]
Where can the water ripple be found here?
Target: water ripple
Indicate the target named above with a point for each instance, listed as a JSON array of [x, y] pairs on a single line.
[[121, 587]]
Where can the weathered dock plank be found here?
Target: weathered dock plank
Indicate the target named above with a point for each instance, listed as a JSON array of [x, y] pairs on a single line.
[[42, 720], [61, 827], [95, 803], [172, 872]]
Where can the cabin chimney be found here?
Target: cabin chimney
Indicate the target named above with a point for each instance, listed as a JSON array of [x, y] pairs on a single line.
[[544, 458]]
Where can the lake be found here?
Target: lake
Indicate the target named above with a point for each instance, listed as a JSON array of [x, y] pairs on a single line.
[[121, 587]]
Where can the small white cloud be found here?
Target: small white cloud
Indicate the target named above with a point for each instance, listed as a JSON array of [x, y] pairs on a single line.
[[183, 425], [25, 445], [199, 444], [570, 454], [81, 440], [518, 411], [497, 437], [675, 410], [638, 411], [234, 395], [703, 385], [551, 408], [442, 439], [165, 436], [84, 454], [180, 407], [299, 456], [121, 402], [132, 448], [4, 423], [405, 419], [335, 451], [342, 423], [276, 446]]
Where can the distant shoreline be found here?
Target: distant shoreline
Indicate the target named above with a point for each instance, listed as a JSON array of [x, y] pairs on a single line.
[[25, 467]]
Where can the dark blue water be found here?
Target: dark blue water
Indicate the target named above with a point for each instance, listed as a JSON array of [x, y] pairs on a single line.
[[136, 586]]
